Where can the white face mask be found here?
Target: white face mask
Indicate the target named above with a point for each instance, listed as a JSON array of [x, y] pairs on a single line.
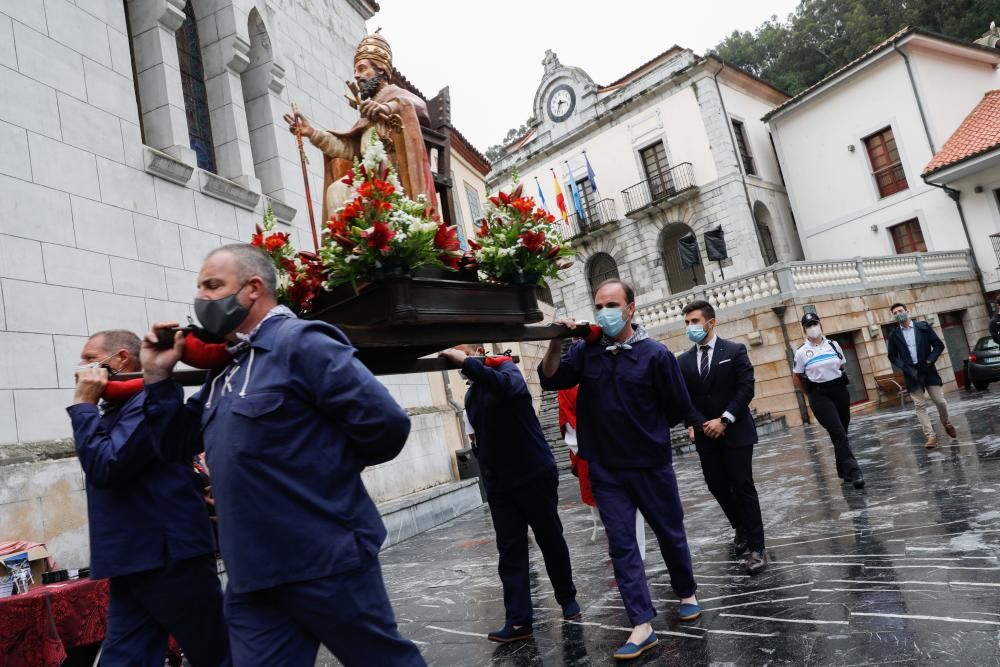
[[814, 332], [98, 364]]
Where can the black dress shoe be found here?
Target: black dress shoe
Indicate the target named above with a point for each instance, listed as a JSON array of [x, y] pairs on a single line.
[[756, 562], [858, 479], [740, 542]]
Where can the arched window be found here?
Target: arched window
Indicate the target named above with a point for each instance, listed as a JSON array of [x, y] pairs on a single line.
[[762, 218], [679, 277], [602, 267], [262, 83], [195, 97]]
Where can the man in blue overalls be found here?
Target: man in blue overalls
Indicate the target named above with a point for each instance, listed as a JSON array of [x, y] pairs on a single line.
[[149, 527], [287, 429], [522, 486], [631, 393]]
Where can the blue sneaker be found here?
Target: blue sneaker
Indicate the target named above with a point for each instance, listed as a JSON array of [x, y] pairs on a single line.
[[689, 611], [571, 610], [631, 651], [510, 633]]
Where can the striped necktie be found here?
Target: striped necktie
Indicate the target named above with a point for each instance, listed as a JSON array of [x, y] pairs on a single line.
[[704, 362]]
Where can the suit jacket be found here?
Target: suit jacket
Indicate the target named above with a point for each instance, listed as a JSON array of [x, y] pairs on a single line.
[[995, 328], [728, 388], [929, 348]]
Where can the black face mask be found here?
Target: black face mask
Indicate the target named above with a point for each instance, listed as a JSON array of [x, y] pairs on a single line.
[[220, 317]]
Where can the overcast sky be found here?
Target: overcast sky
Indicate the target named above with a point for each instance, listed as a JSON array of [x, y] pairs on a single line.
[[490, 51]]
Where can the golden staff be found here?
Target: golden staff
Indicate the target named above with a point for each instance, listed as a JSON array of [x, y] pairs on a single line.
[[305, 175]]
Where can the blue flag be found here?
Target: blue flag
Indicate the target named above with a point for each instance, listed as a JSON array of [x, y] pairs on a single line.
[[590, 175], [541, 195], [576, 193]]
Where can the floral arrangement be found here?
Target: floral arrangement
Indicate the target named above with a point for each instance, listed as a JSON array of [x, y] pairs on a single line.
[[517, 242], [300, 274], [382, 232]]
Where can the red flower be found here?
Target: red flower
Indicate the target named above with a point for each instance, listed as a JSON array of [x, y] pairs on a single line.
[[336, 226], [523, 205], [473, 244], [385, 188], [349, 179], [275, 241], [343, 241], [552, 253], [504, 198], [550, 218], [382, 206], [495, 201], [533, 241], [484, 229], [378, 236], [516, 194], [257, 240], [446, 238], [354, 209], [451, 259]]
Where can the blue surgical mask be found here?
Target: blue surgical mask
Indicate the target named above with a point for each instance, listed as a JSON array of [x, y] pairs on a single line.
[[696, 332], [611, 321], [901, 316]]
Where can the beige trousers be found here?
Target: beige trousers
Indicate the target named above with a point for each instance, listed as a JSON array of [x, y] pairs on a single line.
[[923, 409]]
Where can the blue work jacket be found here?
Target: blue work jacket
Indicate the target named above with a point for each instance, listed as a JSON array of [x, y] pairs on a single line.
[[287, 429], [627, 402], [509, 441], [143, 512]]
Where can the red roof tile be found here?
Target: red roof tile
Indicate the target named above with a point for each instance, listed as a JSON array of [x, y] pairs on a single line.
[[978, 133]]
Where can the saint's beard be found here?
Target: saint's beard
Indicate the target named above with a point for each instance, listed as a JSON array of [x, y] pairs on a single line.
[[370, 87]]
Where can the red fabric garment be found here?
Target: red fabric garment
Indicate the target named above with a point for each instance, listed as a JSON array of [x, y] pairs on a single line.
[[595, 335], [567, 415], [494, 362], [39, 626], [120, 391], [567, 408]]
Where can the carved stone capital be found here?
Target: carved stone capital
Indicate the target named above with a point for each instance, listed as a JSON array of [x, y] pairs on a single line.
[[276, 82]]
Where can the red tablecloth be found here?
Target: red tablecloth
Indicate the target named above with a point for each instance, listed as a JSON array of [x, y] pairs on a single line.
[[37, 628]]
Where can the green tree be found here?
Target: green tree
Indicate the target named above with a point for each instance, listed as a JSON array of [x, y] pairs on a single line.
[[823, 35], [494, 152]]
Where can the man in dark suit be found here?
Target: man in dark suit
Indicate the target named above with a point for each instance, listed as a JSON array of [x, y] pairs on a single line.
[[914, 347], [995, 324], [719, 378]]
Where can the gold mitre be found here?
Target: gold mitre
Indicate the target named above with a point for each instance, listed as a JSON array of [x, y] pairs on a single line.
[[376, 49]]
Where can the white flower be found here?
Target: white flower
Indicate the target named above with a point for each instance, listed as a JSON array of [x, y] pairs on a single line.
[[374, 154]]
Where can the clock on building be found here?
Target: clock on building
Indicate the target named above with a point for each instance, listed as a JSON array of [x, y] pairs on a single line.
[[562, 101]]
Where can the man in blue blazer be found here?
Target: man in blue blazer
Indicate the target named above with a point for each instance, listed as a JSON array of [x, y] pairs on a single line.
[[914, 347], [720, 381], [149, 527]]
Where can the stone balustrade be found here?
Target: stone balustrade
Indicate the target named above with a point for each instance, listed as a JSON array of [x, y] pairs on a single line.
[[788, 279]]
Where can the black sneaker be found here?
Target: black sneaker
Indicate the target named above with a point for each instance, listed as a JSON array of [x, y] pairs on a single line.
[[858, 479], [510, 633], [757, 562]]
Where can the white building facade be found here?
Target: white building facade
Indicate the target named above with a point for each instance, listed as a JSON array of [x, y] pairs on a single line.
[[136, 136], [853, 148], [676, 147]]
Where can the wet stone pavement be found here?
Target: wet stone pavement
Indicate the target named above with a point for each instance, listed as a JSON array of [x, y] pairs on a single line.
[[904, 572]]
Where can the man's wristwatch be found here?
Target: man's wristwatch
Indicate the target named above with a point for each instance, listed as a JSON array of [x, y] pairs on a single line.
[[726, 420]]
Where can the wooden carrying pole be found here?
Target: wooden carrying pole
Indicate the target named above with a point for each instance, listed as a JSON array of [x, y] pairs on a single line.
[[305, 176]]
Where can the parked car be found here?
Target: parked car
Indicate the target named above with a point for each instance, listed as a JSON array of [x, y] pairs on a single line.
[[984, 363]]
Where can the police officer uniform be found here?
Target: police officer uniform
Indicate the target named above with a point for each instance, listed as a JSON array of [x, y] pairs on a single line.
[[820, 368]]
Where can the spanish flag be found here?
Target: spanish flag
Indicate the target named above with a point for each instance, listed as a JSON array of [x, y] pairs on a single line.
[[560, 200]]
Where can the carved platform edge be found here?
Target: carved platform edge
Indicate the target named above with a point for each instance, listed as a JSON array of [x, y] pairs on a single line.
[[282, 211]]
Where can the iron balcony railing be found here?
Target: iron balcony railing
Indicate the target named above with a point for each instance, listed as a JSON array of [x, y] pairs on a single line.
[[996, 246], [594, 217], [658, 187]]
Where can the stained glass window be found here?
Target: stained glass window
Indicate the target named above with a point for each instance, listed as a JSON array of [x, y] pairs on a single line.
[[195, 96]]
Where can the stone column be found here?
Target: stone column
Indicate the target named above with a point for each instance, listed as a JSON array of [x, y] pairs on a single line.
[[225, 56], [153, 25]]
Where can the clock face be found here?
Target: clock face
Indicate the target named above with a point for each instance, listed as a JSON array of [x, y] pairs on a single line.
[[562, 101]]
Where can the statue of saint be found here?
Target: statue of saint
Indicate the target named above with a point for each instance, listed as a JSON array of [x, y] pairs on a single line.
[[380, 101]]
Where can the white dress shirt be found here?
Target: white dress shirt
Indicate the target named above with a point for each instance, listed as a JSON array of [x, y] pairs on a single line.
[[910, 336]]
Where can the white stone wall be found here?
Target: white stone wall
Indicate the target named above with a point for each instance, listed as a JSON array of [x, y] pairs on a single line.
[[101, 231], [820, 142], [686, 113]]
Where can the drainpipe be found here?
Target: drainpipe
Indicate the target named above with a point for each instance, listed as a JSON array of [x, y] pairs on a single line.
[[736, 153], [799, 398], [457, 409], [954, 194]]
